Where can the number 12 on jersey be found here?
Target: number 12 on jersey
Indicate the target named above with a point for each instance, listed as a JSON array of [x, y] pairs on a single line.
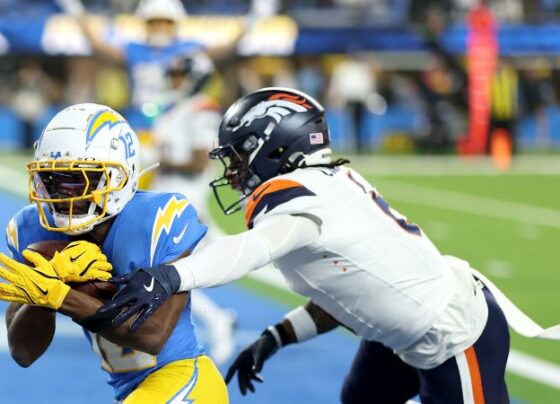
[[117, 359]]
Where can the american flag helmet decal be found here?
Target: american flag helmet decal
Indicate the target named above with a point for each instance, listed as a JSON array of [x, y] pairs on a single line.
[[316, 138]]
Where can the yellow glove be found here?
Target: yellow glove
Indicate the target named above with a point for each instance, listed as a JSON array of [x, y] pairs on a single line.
[[26, 285], [80, 261]]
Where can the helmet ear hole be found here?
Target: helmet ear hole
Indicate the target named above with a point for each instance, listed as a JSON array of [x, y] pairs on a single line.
[[278, 152]]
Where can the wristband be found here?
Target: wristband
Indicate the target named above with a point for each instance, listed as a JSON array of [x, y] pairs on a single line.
[[302, 323]]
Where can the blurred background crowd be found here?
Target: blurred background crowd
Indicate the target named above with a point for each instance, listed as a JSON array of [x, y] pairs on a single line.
[[393, 74]]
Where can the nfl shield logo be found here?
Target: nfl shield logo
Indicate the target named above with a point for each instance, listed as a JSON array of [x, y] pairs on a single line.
[[316, 138]]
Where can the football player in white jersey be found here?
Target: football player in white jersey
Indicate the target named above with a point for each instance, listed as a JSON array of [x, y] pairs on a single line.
[[428, 326], [183, 136]]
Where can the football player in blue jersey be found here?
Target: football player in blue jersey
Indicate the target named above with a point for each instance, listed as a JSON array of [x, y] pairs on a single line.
[[83, 182], [146, 61]]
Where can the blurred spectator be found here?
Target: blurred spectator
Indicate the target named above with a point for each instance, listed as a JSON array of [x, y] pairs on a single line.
[[247, 78], [507, 10], [284, 76], [537, 94], [82, 73], [430, 91], [145, 60], [352, 83], [28, 99], [55, 101], [504, 102], [310, 77]]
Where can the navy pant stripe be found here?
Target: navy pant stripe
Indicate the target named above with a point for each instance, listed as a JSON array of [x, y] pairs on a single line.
[[377, 375]]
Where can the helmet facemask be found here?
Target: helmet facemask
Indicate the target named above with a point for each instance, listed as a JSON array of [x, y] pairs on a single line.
[[238, 174], [75, 192]]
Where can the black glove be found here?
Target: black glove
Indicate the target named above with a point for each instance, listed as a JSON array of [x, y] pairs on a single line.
[[250, 362], [143, 293]]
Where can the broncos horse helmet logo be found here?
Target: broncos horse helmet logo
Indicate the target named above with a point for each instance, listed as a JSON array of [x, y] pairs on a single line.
[[275, 107]]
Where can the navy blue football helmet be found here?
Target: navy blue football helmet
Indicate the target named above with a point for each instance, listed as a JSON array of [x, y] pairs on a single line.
[[266, 133]]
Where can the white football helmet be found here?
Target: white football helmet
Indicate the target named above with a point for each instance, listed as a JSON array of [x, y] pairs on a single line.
[[85, 168], [165, 9]]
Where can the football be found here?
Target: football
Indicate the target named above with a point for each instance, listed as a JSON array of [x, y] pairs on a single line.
[[97, 289]]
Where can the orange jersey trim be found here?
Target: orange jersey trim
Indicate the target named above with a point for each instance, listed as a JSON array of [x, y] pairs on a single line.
[[265, 189], [476, 379]]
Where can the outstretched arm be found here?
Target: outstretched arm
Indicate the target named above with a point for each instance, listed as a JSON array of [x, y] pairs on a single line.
[[301, 324], [232, 257], [222, 261], [76, 9]]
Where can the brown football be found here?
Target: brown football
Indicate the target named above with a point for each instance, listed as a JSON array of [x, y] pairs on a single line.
[[98, 289]]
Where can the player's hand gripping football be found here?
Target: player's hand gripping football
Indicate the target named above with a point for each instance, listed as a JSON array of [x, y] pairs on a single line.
[[79, 261], [145, 291], [27, 285], [250, 362]]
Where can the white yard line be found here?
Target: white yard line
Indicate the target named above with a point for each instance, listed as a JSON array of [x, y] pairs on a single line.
[[475, 205], [497, 269], [452, 165], [532, 368]]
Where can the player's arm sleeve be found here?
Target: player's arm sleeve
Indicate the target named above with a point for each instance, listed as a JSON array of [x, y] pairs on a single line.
[[231, 257]]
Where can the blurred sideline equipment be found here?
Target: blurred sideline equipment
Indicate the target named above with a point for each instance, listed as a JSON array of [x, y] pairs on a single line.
[[430, 324], [84, 180], [183, 136]]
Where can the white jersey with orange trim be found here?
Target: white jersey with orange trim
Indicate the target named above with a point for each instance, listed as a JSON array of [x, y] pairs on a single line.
[[370, 268], [188, 125]]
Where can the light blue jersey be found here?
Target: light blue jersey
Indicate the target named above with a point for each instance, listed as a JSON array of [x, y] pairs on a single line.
[[146, 67], [153, 228]]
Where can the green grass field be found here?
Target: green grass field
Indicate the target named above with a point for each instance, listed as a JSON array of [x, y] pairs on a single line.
[[506, 225]]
